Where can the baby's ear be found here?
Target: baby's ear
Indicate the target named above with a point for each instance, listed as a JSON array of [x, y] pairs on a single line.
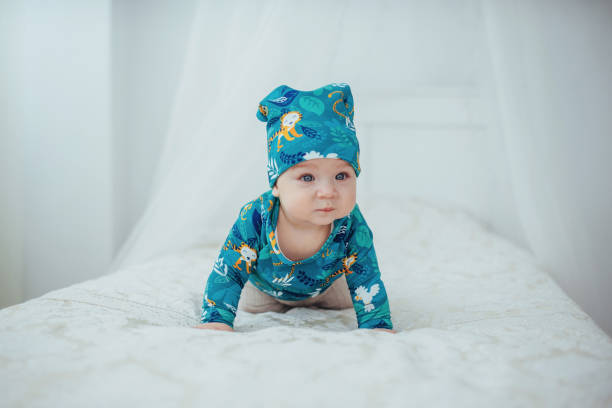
[[275, 191]]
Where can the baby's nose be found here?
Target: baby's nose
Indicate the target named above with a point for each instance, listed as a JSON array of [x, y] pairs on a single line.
[[326, 190]]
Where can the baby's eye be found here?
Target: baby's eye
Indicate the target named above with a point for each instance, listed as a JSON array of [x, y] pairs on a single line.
[[343, 176], [307, 177]]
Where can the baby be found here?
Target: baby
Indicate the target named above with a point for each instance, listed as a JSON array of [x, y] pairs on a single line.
[[305, 241]]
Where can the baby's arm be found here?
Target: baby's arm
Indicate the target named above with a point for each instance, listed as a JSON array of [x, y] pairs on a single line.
[[364, 281], [236, 260]]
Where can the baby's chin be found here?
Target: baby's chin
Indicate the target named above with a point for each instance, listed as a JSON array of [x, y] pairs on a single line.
[[326, 218]]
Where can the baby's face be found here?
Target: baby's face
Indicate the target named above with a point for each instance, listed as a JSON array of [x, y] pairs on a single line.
[[309, 187]]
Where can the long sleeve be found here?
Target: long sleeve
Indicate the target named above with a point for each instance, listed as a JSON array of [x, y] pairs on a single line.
[[237, 259], [363, 277]]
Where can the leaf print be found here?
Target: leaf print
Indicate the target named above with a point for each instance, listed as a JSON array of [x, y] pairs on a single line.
[[312, 104], [218, 267], [237, 233], [273, 293], [272, 121], [334, 265], [221, 279], [311, 133], [333, 124], [339, 136], [349, 124], [358, 269], [358, 217], [286, 98], [272, 169], [252, 242], [363, 237], [230, 307], [315, 293], [291, 158], [264, 254], [284, 281], [256, 220], [301, 275], [313, 124]]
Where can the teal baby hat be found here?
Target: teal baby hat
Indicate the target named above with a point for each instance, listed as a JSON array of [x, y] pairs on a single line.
[[305, 125]]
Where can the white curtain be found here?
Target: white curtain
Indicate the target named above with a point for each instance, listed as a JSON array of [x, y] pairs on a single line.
[[542, 70], [552, 71]]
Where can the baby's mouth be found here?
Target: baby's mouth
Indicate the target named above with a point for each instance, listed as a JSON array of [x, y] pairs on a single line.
[[326, 209]]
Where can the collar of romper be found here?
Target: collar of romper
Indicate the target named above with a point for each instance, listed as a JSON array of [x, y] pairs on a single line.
[[331, 228]]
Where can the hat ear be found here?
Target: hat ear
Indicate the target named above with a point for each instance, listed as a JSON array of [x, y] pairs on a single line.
[[348, 101], [281, 96], [343, 100], [262, 112]]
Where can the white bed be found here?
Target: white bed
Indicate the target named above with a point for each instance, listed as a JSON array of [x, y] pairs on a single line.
[[479, 325]]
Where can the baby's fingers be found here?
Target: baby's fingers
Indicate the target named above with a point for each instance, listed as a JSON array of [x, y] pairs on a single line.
[[214, 326], [387, 330]]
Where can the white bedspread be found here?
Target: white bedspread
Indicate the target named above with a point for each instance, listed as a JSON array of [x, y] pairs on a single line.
[[479, 325]]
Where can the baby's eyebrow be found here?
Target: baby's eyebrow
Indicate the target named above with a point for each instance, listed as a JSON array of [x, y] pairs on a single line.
[[306, 164]]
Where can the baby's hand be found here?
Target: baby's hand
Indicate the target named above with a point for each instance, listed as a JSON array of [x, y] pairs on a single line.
[[387, 330], [214, 326]]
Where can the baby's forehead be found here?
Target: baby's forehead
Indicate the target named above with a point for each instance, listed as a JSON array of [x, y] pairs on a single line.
[[321, 164]]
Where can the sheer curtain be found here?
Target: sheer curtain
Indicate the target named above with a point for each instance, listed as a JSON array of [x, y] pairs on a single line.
[[541, 70], [215, 153], [238, 52], [551, 65]]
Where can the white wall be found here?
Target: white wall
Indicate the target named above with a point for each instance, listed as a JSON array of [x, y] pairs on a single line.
[[56, 146], [87, 89], [11, 194], [64, 138]]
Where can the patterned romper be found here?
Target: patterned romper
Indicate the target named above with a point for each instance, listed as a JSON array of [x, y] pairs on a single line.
[[251, 253]]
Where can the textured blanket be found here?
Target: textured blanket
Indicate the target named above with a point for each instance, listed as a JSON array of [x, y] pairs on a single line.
[[479, 324]]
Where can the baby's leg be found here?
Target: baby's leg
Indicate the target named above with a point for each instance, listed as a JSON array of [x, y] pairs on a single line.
[[337, 296], [253, 300]]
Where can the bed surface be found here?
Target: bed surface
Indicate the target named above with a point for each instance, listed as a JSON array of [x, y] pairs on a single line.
[[478, 322]]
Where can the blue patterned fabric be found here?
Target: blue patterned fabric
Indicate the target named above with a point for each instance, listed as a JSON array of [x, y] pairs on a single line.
[[304, 125], [250, 252]]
